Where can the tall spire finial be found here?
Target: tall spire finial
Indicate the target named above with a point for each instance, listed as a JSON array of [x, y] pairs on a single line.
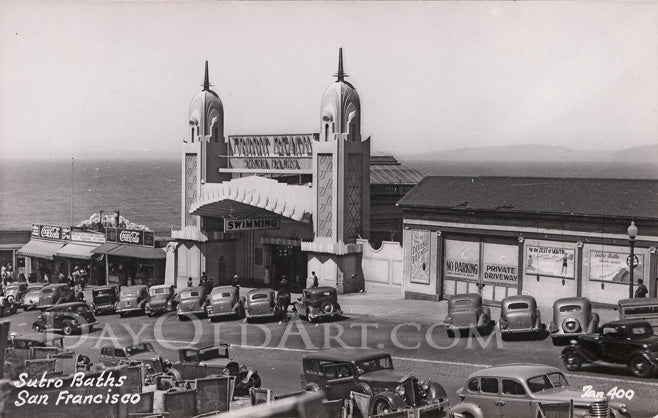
[[206, 82], [340, 74]]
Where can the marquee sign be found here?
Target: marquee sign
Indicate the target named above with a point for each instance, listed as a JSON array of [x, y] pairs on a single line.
[[54, 232], [289, 153], [251, 224], [85, 236], [130, 236]]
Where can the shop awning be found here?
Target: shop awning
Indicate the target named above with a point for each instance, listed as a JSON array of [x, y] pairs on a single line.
[[40, 249], [134, 251], [81, 251]]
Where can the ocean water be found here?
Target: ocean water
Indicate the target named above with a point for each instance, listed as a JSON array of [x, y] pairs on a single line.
[[145, 192], [148, 192]]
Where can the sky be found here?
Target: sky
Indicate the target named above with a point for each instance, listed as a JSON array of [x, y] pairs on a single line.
[[115, 79]]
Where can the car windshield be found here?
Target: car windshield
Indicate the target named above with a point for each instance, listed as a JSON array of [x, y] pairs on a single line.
[[546, 382], [641, 331], [130, 292], [463, 302], [139, 348], [571, 308], [48, 291], [373, 364], [211, 353], [518, 305], [259, 296], [189, 294]]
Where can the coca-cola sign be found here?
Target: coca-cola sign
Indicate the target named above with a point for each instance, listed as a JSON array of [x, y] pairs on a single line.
[[130, 236], [51, 232]]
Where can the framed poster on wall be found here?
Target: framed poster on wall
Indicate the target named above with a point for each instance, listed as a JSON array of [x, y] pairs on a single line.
[[544, 260], [611, 266], [420, 256]]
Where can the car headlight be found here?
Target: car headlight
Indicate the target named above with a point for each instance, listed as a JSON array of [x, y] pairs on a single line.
[[400, 390], [226, 371], [425, 384], [623, 409], [243, 368]]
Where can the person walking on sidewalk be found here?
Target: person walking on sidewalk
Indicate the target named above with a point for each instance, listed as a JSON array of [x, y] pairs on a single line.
[[641, 291], [315, 280]]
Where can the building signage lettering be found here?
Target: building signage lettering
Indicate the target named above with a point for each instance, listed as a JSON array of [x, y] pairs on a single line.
[[84, 236], [130, 236], [494, 273], [420, 257], [609, 266], [51, 232], [462, 269], [251, 224], [550, 261], [268, 146]]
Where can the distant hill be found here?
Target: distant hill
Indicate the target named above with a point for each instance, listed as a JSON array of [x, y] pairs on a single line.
[[535, 152]]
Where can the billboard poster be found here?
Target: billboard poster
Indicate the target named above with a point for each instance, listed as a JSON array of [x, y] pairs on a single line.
[[462, 259], [550, 261], [500, 264], [420, 256], [54, 232], [610, 266], [130, 236]]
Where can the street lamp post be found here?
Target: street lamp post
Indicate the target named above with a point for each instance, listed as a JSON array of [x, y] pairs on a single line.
[[632, 233]]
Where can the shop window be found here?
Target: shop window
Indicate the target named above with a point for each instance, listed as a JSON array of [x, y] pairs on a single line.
[[258, 256]]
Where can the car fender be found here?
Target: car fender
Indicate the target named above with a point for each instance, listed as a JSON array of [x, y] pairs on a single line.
[[393, 399], [593, 323], [175, 374], [435, 392], [250, 372], [467, 407], [619, 409], [301, 308]]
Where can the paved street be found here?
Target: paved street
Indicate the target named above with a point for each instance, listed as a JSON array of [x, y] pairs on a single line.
[[417, 341]]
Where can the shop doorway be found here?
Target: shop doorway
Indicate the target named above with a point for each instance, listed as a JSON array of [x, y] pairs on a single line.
[[291, 261]]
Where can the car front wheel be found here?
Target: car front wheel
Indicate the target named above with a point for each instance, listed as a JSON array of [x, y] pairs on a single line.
[[381, 407], [67, 329], [640, 367]]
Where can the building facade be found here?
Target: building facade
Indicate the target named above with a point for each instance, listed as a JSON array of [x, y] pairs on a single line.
[[546, 237], [264, 206]]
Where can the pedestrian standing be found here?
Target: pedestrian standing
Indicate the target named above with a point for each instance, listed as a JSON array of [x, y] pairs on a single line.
[[83, 278], [316, 282], [189, 282], [76, 275], [641, 291], [267, 279]]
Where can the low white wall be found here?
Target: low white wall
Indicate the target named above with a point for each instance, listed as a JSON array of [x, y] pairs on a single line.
[[382, 267]]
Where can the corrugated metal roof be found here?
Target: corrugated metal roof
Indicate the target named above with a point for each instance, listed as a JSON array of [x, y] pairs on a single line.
[[385, 169], [569, 196]]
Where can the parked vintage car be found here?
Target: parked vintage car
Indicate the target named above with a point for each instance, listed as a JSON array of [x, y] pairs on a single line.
[[132, 299], [519, 315], [645, 309], [572, 317], [339, 371], [191, 301], [15, 291], [8, 304], [31, 296], [104, 299], [318, 302], [67, 318], [261, 303], [161, 300], [200, 362], [19, 349], [465, 312], [523, 390], [627, 342], [142, 352], [54, 294], [225, 301]]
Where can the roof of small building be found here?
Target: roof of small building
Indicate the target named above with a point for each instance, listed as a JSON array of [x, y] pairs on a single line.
[[385, 169], [564, 196]]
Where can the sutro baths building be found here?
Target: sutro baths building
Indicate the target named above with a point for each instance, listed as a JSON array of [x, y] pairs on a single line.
[[546, 237], [289, 203]]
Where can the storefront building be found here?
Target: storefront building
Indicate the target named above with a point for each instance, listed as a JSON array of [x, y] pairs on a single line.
[[546, 237], [55, 249], [131, 257], [264, 206], [10, 242]]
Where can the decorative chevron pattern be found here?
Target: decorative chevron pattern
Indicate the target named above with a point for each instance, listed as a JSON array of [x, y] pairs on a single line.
[[325, 195], [354, 188], [190, 188]]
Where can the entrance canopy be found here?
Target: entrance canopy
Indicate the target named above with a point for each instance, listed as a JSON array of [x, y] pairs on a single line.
[[80, 251], [254, 196], [40, 249]]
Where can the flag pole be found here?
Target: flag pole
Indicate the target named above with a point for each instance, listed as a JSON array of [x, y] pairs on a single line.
[[72, 182]]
